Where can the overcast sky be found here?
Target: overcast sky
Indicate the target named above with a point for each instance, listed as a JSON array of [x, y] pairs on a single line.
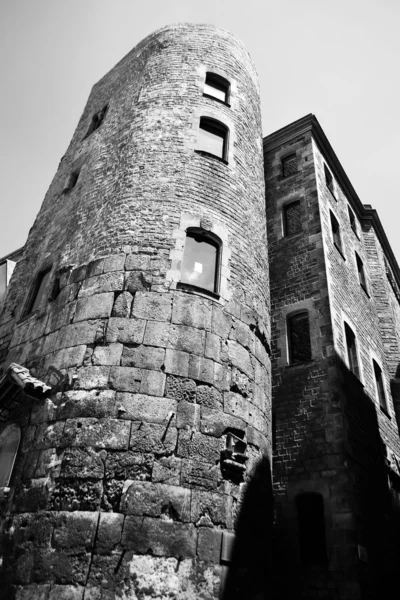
[[338, 60]]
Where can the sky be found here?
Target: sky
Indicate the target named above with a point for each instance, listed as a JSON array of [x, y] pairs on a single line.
[[338, 60]]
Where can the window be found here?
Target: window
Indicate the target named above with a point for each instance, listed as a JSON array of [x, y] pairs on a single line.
[[97, 120], [361, 273], [9, 443], [299, 338], [201, 258], [329, 180], [217, 87], [289, 165], [212, 138], [352, 219], [336, 232], [72, 181], [40, 290], [311, 523], [292, 218], [380, 388], [351, 348]]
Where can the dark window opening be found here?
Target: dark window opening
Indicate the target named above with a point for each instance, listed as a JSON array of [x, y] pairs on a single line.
[[9, 443], [380, 388], [40, 290], [361, 272], [201, 257], [351, 347], [72, 181], [299, 338], [217, 87], [292, 218], [311, 523], [97, 120], [212, 138], [329, 180], [352, 219], [289, 165], [336, 233]]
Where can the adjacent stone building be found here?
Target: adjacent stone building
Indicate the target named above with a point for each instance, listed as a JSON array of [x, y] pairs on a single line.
[[137, 424]]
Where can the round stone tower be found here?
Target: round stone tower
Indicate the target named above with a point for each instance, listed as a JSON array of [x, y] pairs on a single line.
[[139, 313]]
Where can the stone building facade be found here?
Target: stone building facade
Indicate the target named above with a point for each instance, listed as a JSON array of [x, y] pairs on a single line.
[[137, 353]]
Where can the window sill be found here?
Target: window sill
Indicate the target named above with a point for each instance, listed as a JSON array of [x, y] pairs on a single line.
[[214, 156], [198, 291], [224, 102]]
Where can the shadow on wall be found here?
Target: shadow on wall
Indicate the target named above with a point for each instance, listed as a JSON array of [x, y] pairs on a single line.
[[249, 573], [341, 458]]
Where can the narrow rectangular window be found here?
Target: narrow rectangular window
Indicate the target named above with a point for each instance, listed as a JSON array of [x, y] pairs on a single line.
[[329, 180], [217, 87], [299, 338], [351, 347], [352, 219], [336, 232], [361, 272], [212, 138], [289, 165], [40, 289], [380, 388], [292, 218]]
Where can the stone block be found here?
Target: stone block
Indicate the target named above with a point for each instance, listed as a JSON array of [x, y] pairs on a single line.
[[200, 474], [208, 396], [210, 508], [238, 356], [137, 281], [94, 307], [109, 533], [107, 355], [221, 322], [236, 405], [177, 362], [209, 544], [95, 267], [125, 379], [31, 496], [80, 403], [48, 464], [82, 463], [144, 357], [65, 592], [152, 306], [76, 334], [187, 339], [167, 469], [213, 347], [257, 419], [240, 332], [153, 383], [128, 465], [153, 438], [126, 331], [60, 317], [163, 538], [192, 311], [144, 498], [115, 262], [222, 376], [180, 388], [89, 378], [156, 334], [108, 282], [137, 262], [74, 532], [48, 435], [38, 591], [187, 415], [122, 306], [216, 423], [99, 433], [112, 495], [149, 409], [78, 274], [201, 369], [199, 446]]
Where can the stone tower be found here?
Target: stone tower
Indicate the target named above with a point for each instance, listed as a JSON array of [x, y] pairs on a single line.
[[139, 316]]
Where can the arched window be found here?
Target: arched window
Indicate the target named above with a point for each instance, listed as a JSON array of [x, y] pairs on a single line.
[[216, 87], [311, 523], [213, 138], [201, 260], [9, 442]]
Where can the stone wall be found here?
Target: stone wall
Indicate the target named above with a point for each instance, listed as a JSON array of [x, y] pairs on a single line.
[[127, 470]]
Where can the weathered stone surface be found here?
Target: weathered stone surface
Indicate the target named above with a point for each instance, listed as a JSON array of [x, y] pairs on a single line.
[[137, 262], [125, 379], [201, 369], [221, 322], [164, 538], [36, 590], [74, 532], [68, 357], [153, 438], [144, 357], [192, 311], [107, 355], [128, 465], [76, 334], [240, 382], [200, 474], [213, 346], [65, 592], [80, 403], [115, 262], [111, 500], [177, 362], [156, 500], [257, 419], [122, 305], [238, 356], [236, 405], [187, 339], [222, 376], [153, 383], [71, 495], [167, 469], [152, 306], [48, 463], [137, 281], [99, 433], [108, 282], [49, 435], [156, 334], [180, 388], [94, 307], [126, 331], [209, 544], [109, 533], [149, 409], [90, 378], [187, 415], [208, 396], [82, 463], [216, 423], [209, 508], [198, 446]]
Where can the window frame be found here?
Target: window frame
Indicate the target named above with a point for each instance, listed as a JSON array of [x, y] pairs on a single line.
[[284, 218], [212, 123], [286, 158], [329, 181], [362, 279], [352, 220], [336, 235], [213, 77], [353, 368], [289, 338], [35, 290], [212, 240]]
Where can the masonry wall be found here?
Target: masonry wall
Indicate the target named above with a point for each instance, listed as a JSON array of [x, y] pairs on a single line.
[[122, 469]]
